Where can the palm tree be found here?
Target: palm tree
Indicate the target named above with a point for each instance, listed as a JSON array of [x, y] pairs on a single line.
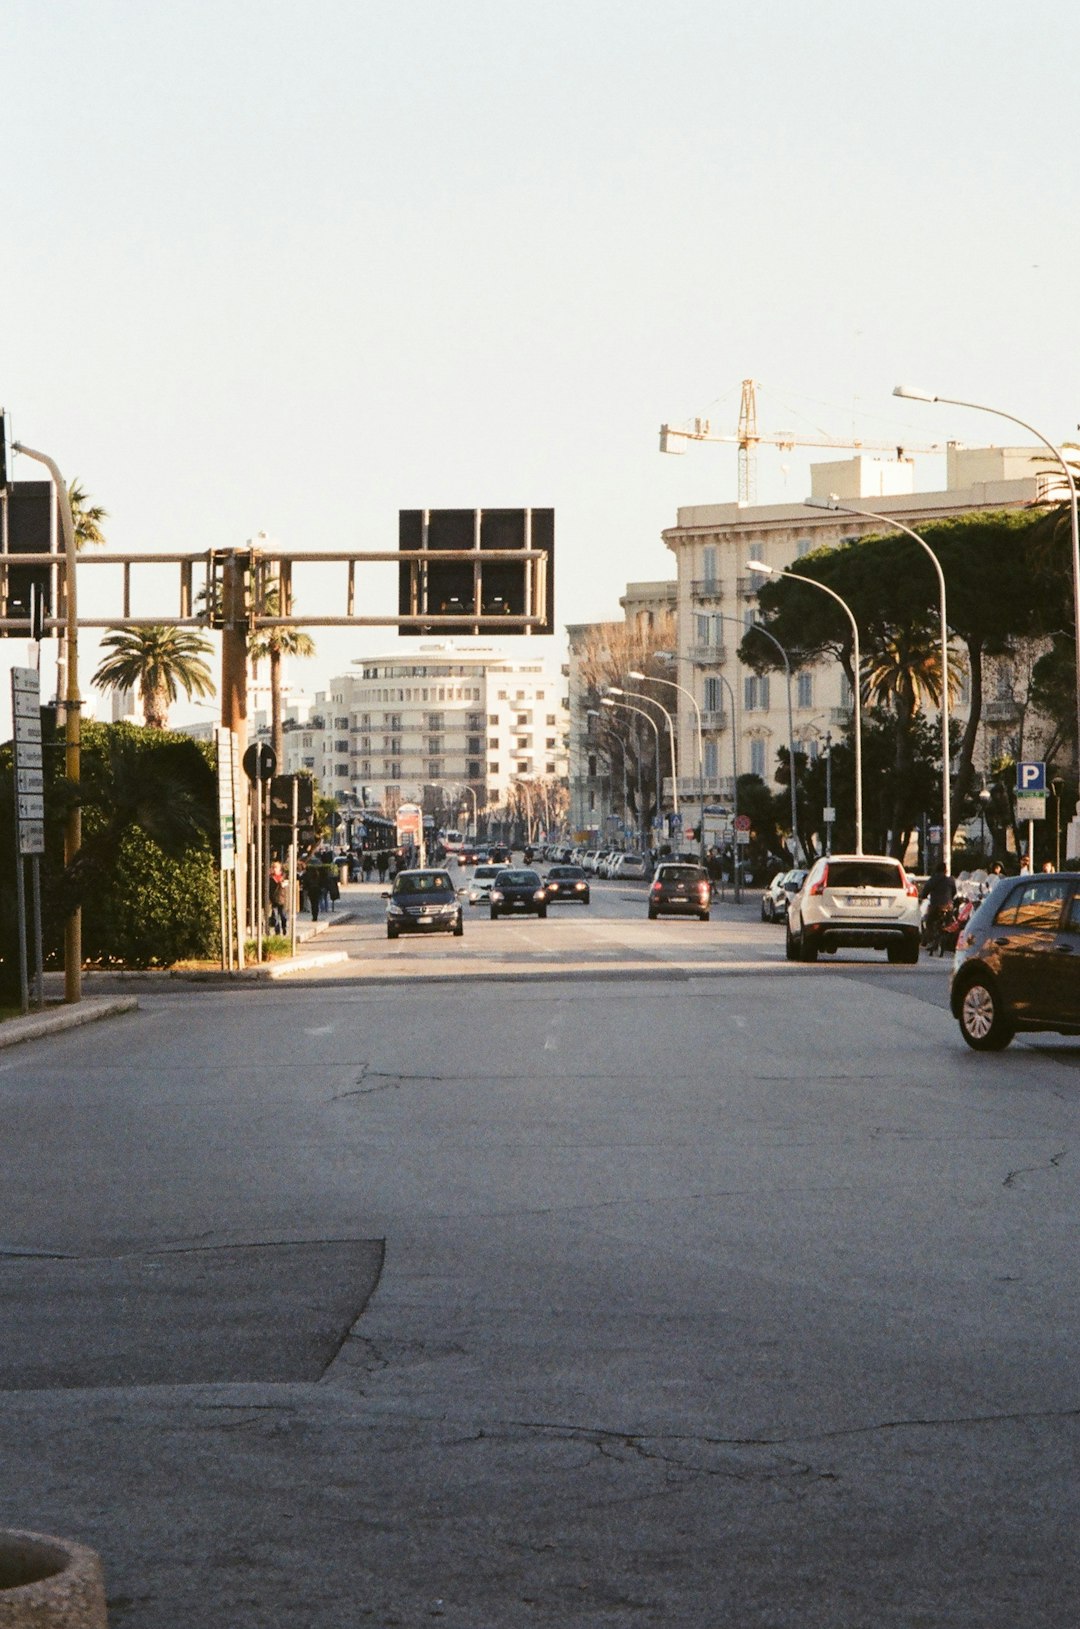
[[159, 661], [86, 516], [271, 644]]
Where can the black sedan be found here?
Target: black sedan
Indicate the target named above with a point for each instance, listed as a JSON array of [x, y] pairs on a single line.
[[423, 902], [518, 893], [567, 882], [1017, 962]]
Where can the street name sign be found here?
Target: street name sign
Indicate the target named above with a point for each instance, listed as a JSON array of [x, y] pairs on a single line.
[[29, 770]]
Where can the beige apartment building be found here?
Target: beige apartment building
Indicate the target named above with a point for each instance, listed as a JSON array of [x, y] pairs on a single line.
[[744, 717]]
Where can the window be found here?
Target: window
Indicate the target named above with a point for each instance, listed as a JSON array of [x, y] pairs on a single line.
[[341, 746], [592, 766], [474, 744], [1033, 905], [434, 769], [550, 743], [704, 630], [493, 769], [757, 757], [551, 769], [493, 743], [434, 721], [803, 547], [524, 718], [592, 801], [523, 743], [392, 721], [551, 720], [391, 743], [341, 771], [810, 747], [391, 769], [748, 619], [434, 743], [472, 769], [756, 693], [712, 759], [364, 744], [340, 723], [474, 721], [523, 769], [493, 718], [365, 770], [805, 690], [714, 696], [708, 564]]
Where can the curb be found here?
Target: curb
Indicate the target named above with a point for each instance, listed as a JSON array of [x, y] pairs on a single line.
[[281, 970], [88, 1011]]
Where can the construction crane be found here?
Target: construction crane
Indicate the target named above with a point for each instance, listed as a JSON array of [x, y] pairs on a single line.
[[749, 438]]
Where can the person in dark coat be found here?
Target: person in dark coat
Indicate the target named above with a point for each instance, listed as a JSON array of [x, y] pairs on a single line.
[[312, 884]]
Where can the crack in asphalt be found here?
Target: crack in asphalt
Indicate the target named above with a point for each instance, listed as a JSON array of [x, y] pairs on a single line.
[[1052, 1164]]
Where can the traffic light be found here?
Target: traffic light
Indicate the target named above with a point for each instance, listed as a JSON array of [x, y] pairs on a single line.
[[28, 523], [458, 589]]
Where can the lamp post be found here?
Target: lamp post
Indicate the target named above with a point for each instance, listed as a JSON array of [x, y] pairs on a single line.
[[475, 822], [736, 863], [614, 690], [594, 712], [689, 694], [770, 571], [828, 792], [72, 724], [912, 393], [609, 701], [833, 503]]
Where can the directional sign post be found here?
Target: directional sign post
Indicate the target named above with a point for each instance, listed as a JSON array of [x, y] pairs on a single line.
[[1031, 800]]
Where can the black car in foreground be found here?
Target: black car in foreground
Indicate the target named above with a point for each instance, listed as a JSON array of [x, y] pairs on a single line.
[[683, 890], [1017, 961], [423, 902], [518, 893], [567, 882]]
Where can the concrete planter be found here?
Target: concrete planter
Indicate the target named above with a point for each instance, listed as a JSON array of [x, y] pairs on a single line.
[[49, 1583]]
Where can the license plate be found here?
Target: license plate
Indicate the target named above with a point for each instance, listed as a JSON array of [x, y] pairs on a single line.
[[427, 922], [856, 900]]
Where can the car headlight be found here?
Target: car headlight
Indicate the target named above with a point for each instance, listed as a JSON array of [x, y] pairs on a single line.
[[495, 894], [539, 894], [394, 910], [580, 887]]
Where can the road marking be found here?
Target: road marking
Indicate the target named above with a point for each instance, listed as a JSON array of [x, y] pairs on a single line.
[[323, 1029]]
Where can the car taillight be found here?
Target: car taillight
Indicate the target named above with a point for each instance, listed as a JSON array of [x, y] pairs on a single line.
[[910, 889], [822, 882], [655, 889], [703, 889]]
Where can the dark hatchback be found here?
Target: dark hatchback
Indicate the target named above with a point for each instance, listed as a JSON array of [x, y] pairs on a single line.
[[423, 902], [518, 893], [682, 890], [1017, 963], [567, 882]]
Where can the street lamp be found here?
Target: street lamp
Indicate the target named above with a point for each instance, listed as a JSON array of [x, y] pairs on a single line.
[[832, 502], [770, 571], [609, 701], [689, 694], [614, 690], [984, 802], [912, 393]]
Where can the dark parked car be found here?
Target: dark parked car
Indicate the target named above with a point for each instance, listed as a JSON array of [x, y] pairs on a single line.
[[567, 882], [423, 902], [1017, 962], [518, 893], [683, 890]]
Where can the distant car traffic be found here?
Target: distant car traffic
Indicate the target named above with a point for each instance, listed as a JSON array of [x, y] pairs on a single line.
[[423, 901], [480, 886], [1017, 962], [680, 890], [629, 865], [855, 901], [567, 882], [518, 893]]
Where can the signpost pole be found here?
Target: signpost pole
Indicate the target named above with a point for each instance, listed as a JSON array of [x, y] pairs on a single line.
[[35, 897], [20, 905], [294, 881]]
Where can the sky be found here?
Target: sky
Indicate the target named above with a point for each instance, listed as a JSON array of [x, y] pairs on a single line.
[[284, 269]]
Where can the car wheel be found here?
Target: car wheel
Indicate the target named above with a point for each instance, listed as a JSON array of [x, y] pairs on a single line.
[[585, 901], [494, 913], [791, 948], [896, 953], [652, 914], [703, 916], [764, 912], [459, 927], [983, 1023], [807, 949], [542, 911], [391, 932]]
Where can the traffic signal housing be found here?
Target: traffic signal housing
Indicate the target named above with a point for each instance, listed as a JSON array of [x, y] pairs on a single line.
[[27, 521], [449, 594]]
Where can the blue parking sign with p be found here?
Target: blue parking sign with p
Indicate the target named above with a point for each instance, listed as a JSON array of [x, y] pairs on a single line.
[[1031, 777]]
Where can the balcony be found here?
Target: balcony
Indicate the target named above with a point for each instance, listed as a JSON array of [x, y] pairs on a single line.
[[706, 588], [1001, 710], [838, 716], [708, 655], [714, 720], [748, 585]]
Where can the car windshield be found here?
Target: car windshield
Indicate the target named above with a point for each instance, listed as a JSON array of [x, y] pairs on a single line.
[[681, 873], [518, 879], [485, 873], [864, 874], [566, 873], [423, 882]]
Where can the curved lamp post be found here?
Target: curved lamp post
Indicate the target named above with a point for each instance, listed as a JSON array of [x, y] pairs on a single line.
[[912, 393], [614, 690], [770, 571], [689, 694], [609, 701], [834, 504]]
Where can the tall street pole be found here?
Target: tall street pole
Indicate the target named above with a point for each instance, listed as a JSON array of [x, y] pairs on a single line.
[[73, 720]]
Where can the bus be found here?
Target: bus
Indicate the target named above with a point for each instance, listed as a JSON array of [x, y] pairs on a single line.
[[452, 841]]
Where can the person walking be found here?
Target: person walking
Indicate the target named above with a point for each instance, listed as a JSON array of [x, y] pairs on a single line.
[[366, 864], [382, 862], [312, 884], [279, 921]]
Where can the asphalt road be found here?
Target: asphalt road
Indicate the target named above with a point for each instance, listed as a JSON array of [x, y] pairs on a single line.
[[478, 1282]]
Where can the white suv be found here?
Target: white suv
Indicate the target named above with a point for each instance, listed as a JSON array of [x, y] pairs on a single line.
[[864, 901]]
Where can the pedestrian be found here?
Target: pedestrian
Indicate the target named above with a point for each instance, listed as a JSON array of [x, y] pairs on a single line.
[[1048, 865], [366, 864], [1025, 865], [333, 888], [279, 921], [939, 893], [312, 884], [382, 861]]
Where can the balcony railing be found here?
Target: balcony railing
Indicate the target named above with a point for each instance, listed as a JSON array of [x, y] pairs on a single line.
[[714, 720], [706, 588], [1002, 710], [838, 715], [708, 655], [750, 583]]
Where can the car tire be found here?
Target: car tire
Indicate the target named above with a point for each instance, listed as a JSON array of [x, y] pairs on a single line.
[[791, 948], [653, 914], [983, 1023], [764, 912], [391, 932], [459, 927], [703, 916], [542, 912], [808, 950], [494, 913]]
